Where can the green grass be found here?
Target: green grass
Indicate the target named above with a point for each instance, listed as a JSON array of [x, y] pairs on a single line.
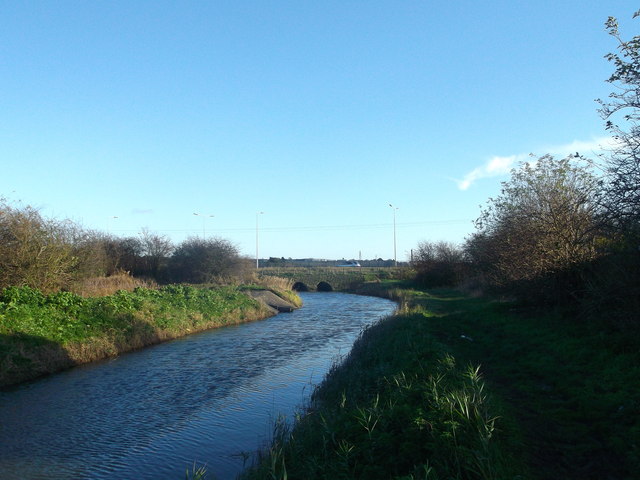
[[572, 387], [44, 333], [469, 388], [65, 317]]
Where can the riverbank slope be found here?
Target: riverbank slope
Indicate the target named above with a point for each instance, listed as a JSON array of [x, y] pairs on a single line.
[[42, 334], [469, 388]]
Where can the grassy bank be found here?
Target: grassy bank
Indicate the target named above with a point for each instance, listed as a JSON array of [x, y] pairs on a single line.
[[571, 387], [41, 334], [461, 388]]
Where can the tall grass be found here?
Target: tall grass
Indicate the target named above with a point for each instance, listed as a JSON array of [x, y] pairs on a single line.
[[196, 473], [105, 286], [273, 282]]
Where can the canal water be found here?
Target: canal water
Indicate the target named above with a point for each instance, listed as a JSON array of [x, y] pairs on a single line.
[[208, 399]]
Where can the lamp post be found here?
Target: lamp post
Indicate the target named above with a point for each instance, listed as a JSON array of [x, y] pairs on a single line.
[[257, 215], [204, 218], [395, 258]]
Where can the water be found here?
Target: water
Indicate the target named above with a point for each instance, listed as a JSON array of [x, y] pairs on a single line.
[[208, 398]]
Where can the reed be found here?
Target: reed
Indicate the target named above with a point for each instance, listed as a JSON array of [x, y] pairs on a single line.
[[273, 282], [196, 473], [105, 286]]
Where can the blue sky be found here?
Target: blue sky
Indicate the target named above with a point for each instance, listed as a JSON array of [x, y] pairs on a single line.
[[319, 114]]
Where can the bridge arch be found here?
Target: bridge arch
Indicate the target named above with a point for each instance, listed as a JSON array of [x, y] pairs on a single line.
[[300, 287], [324, 287]]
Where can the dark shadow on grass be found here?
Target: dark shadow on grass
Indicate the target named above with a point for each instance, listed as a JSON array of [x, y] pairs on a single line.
[[567, 386], [25, 357]]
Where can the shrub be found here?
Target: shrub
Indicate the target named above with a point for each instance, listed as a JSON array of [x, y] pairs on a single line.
[[545, 224], [438, 264], [199, 260], [34, 251]]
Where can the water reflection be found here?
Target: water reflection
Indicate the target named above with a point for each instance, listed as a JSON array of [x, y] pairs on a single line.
[[205, 398]]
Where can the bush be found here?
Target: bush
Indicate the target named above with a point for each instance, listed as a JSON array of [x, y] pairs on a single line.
[[22, 295], [199, 260], [34, 251], [439, 264], [545, 224]]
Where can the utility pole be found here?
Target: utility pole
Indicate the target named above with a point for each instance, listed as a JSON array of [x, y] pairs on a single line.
[[395, 258], [257, 261], [204, 219]]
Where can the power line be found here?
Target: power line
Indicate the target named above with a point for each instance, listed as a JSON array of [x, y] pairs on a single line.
[[318, 228]]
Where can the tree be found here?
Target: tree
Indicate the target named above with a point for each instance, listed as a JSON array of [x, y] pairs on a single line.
[[544, 223], [438, 264], [34, 251], [198, 260], [156, 250], [122, 254], [623, 162], [89, 249]]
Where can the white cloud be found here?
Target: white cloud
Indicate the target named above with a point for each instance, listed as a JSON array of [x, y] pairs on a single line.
[[497, 166]]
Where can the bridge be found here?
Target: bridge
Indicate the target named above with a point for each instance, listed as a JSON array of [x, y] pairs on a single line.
[[328, 279]]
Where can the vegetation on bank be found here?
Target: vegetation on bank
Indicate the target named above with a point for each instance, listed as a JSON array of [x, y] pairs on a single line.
[[41, 333], [563, 232], [53, 255], [455, 387], [571, 389]]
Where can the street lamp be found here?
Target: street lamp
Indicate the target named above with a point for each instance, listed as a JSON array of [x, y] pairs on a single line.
[[257, 214], [395, 258], [204, 218]]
